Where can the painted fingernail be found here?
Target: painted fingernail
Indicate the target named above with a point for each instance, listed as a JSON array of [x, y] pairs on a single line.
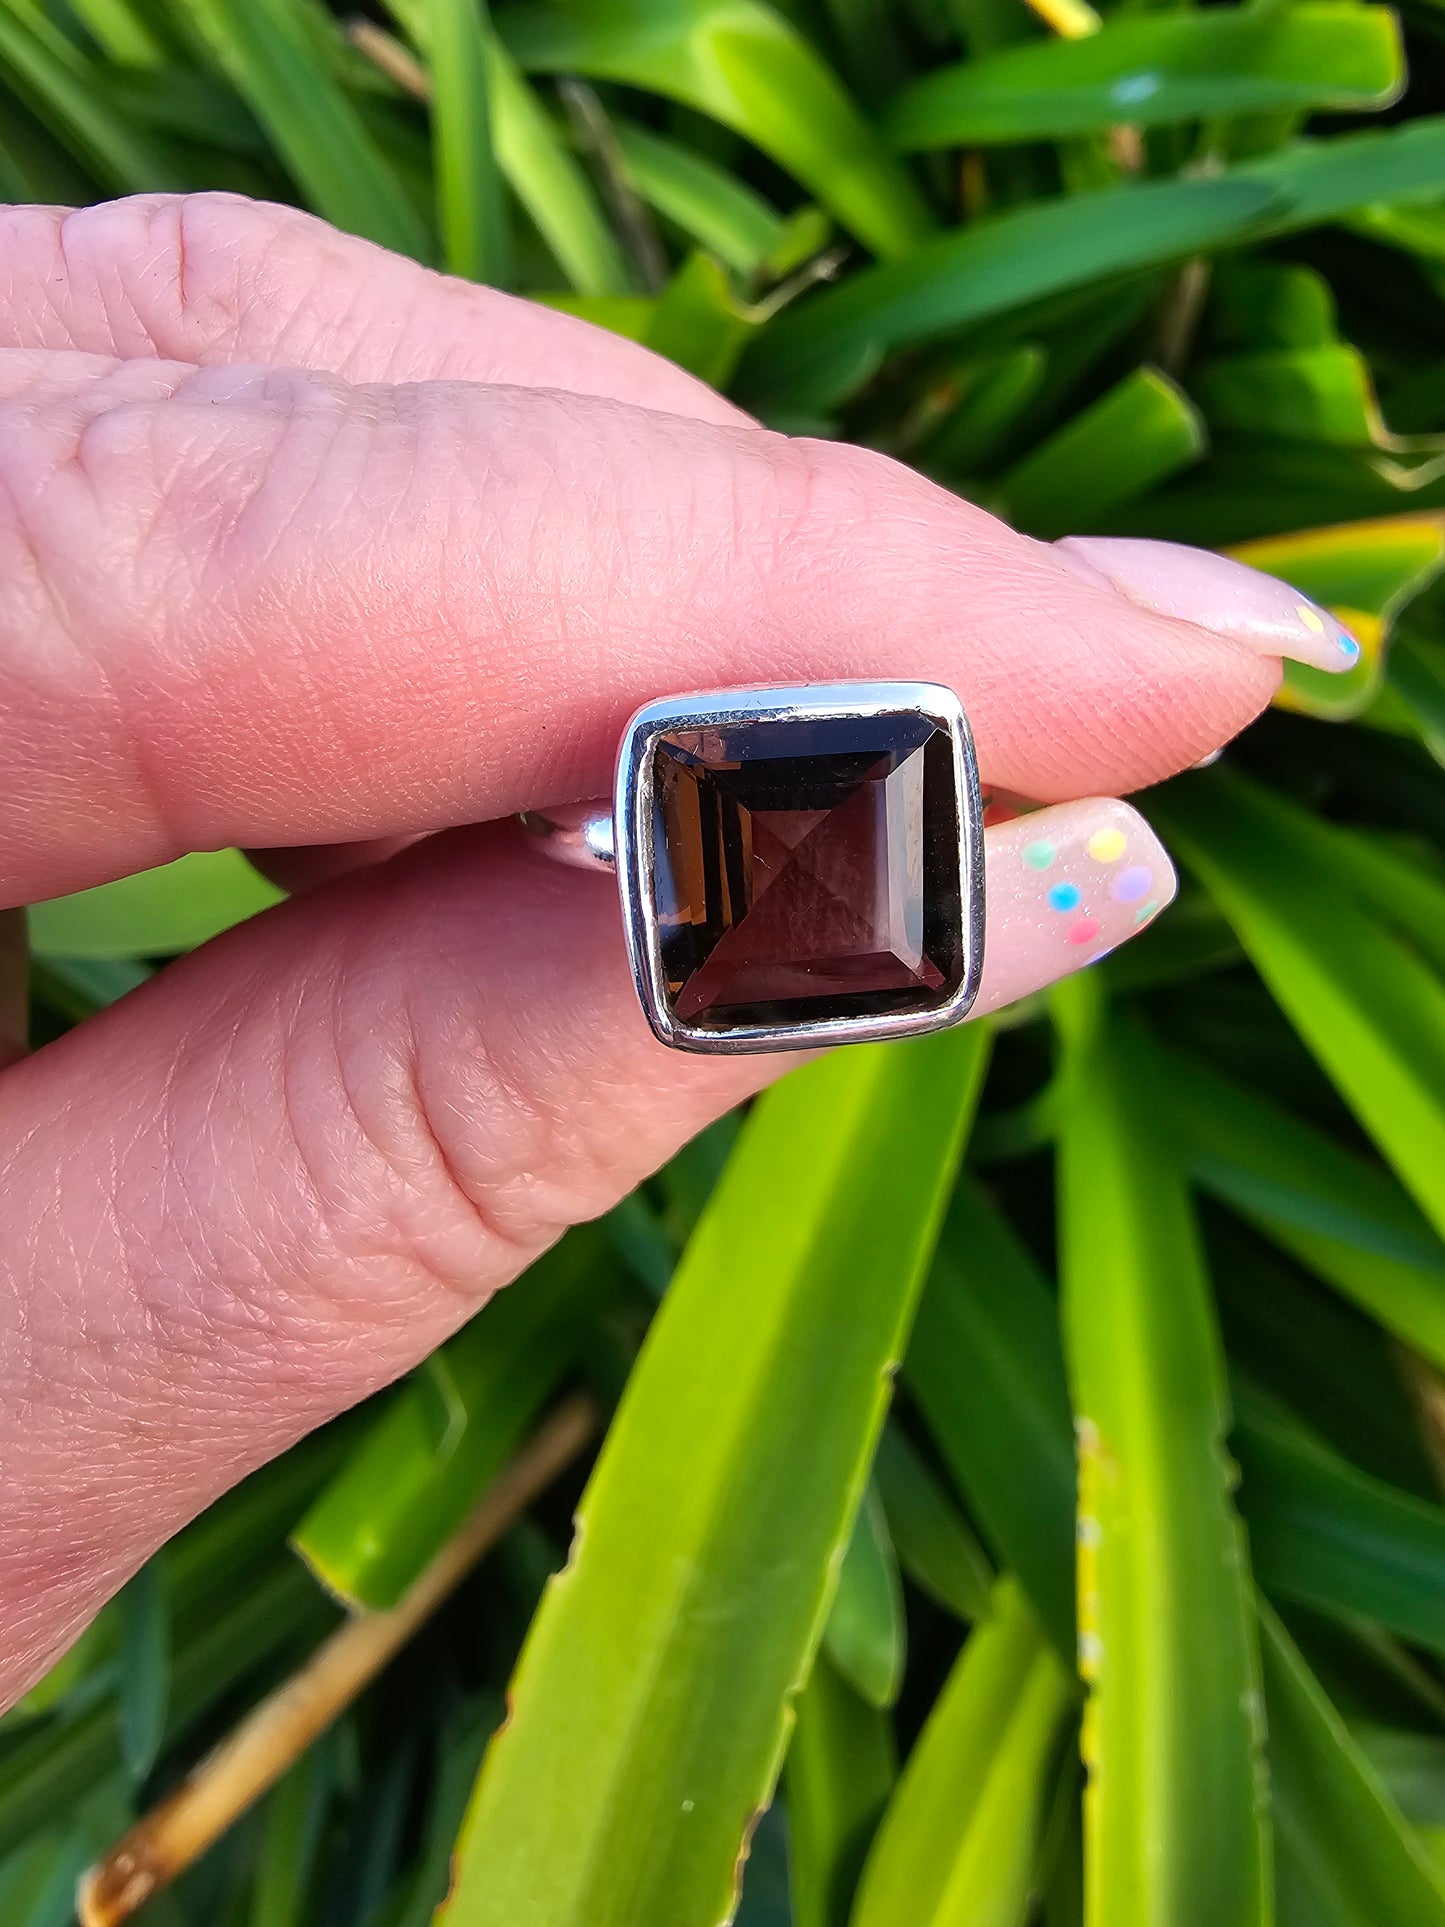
[[1215, 592], [1065, 886]]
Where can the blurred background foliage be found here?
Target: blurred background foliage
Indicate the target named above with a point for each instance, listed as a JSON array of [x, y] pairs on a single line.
[[1154, 1502]]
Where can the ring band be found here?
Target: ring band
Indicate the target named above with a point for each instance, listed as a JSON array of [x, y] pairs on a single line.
[[798, 866]]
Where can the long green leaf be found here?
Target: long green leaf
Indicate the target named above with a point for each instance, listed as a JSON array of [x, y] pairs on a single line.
[[840, 1771], [68, 92], [986, 1366], [471, 208], [1369, 1009], [651, 1705], [264, 48], [1151, 69], [935, 1547], [958, 1846], [539, 167], [450, 1428], [719, 211], [1175, 1826], [864, 1636], [154, 913], [1346, 1220], [993, 267], [1332, 1537], [742, 63], [1345, 1856], [1125, 443]]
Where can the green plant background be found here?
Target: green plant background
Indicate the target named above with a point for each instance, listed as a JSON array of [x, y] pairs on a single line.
[[1054, 1403]]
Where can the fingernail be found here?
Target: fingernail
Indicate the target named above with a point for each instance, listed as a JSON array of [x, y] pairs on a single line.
[[1065, 886], [1215, 592]]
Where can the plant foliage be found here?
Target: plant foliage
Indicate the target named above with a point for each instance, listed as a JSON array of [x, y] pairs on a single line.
[[831, 1646]]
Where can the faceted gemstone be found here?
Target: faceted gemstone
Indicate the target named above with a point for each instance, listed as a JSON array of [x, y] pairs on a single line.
[[807, 869]]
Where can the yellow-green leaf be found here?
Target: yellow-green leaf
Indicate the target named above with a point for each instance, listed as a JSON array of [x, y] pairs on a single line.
[[650, 1708]]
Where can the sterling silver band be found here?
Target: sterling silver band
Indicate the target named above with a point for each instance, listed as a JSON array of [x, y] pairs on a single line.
[[579, 834]]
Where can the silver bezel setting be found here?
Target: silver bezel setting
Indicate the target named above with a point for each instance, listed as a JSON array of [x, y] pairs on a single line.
[[633, 819]]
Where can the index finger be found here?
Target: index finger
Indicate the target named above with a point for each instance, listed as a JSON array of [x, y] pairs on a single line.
[[266, 607]]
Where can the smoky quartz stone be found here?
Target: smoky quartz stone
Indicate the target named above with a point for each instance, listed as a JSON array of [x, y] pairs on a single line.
[[807, 869]]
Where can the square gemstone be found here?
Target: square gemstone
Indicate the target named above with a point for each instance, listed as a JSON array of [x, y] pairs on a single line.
[[807, 869]]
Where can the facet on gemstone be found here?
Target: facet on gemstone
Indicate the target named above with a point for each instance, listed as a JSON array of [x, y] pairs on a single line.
[[807, 869]]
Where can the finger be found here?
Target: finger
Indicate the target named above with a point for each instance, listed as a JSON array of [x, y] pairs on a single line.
[[216, 278], [265, 607], [311, 1149]]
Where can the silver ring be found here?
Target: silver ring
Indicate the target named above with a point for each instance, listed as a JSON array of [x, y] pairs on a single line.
[[798, 866]]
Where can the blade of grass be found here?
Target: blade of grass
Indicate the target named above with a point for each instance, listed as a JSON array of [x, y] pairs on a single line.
[[993, 267], [154, 913], [1345, 1855], [841, 1768], [471, 207], [265, 49], [935, 1547], [864, 1636], [1344, 1219], [1148, 70], [743, 64], [1330, 1536], [256, 1753], [448, 1431], [1175, 1823], [67, 91], [650, 1707], [958, 1845], [1370, 1011], [145, 1667], [986, 1367]]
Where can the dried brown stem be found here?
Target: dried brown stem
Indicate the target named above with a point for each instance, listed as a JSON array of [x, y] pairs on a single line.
[[174, 1834]]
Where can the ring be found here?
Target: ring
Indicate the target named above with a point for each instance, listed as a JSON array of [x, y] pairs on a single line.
[[798, 866]]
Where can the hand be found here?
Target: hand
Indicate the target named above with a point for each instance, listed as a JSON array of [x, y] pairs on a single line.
[[304, 548]]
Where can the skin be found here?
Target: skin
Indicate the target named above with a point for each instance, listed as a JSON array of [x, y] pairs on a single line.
[[304, 548]]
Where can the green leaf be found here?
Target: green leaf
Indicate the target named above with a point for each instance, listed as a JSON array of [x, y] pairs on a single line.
[[1141, 432], [716, 209], [650, 1705], [121, 30], [539, 167], [986, 1367], [1345, 1856], [1319, 394], [840, 1771], [1320, 180], [1344, 1219], [958, 1846], [1371, 1012], [699, 324], [1175, 1826], [1148, 70], [995, 391], [68, 93], [993, 267], [155, 913], [471, 209], [286, 1862], [264, 48], [865, 1634], [450, 1428], [145, 1667], [935, 1547], [744, 65], [1332, 1537]]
